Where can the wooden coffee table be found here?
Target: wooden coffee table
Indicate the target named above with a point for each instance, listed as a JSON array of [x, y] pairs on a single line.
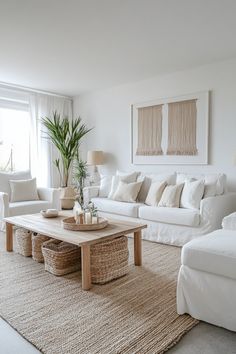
[[53, 228]]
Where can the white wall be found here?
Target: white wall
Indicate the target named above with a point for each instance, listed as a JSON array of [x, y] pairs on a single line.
[[108, 111]]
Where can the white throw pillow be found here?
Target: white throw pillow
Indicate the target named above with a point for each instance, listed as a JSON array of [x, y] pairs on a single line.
[[155, 193], [105, 186], [128, 178], [171, 196], [22, 190], [192, 194], [127, 192]]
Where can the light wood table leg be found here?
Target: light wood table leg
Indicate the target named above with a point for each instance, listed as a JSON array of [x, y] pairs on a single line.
[[137, 248], [86, 273], [9, 237]]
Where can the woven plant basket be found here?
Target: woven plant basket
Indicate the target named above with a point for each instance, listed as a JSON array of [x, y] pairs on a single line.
[[61, 258], [109, 260], [37, 242], [23, 242]]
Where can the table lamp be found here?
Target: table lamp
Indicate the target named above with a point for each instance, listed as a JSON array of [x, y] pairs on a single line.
[[95, 158]]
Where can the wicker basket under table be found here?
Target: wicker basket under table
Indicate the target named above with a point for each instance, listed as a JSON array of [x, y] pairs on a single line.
[[37, 242], [61, 258], [109, 260], [23, 242]]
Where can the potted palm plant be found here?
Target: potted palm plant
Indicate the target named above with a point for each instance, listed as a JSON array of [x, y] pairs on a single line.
[[66, 135]]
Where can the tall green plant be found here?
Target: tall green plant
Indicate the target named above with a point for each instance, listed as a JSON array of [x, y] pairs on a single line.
[[66, 135]]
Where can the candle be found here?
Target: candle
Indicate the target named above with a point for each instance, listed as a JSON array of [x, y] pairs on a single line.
[[88, 218], [94, 220]]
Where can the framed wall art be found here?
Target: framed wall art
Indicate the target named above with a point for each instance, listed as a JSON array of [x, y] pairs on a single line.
[[171, 130]]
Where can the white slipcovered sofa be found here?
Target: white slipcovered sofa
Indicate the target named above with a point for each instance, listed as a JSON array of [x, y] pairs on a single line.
[[174, 226], [47, 198], [207, 278]]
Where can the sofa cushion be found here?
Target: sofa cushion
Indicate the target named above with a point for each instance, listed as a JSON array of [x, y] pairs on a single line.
[[28, 207], [121, 208], [178, 216], [148, 179], [215, 184], [213, 253], [5, 177]]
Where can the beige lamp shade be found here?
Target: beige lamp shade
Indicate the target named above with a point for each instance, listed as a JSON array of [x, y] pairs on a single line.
[[95, 158]]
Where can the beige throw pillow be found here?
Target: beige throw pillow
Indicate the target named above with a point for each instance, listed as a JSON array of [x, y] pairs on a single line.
[[22, 190], [155, 193], [171, 196], [127, 178], [127, 192]]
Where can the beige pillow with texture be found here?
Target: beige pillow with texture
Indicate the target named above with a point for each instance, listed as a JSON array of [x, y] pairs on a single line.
[[127, 178], [155, 192], [127, 192], [22, 190], [171, 196]]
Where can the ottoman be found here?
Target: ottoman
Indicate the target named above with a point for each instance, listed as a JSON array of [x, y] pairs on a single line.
[[207, 279]]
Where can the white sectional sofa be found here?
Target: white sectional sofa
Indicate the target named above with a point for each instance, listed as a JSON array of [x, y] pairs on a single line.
[[174, 226], [207, 278]]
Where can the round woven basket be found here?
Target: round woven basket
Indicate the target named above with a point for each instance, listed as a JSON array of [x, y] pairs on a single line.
[[37, 242], [109, 260], [23, 242], [69, 224], [61, 258]]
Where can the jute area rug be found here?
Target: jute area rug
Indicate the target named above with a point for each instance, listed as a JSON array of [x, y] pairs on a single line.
[[134, 314]]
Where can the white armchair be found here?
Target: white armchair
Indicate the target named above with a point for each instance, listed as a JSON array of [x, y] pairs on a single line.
[[48, 198]]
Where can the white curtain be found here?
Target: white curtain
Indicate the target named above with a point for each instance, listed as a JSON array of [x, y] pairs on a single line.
[[42, 152]]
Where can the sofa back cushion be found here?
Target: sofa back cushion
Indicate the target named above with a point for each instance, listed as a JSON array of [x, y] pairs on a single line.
[[215, 184], [105, 186], [148, 179], [5, 177]]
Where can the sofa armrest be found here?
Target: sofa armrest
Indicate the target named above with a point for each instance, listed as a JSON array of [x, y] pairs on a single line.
[[52, 195], [214, 209], [4, 208], [90, 192], [229, 222]]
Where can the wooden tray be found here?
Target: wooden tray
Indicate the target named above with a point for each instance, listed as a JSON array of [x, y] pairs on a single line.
[[69, 224]]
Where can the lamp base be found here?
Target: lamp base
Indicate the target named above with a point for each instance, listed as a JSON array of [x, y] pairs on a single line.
[[95, 177]]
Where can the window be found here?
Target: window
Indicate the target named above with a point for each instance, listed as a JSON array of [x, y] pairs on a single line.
[[14, 139]]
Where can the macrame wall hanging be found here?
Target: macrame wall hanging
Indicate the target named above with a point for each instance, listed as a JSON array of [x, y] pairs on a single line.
[[149, 130], [182, 128]]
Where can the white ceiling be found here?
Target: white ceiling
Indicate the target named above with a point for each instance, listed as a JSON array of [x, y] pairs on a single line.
[[72, 46]]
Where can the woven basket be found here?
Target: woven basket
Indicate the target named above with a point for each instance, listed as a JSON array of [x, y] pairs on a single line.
[[109, 260], [23, 242], [37, 241], [61, 257]]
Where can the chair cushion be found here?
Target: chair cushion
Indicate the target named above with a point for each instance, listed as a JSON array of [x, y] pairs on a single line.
[[121, 208], [178, 216], [5, 177], [213, 253], [28, 207]]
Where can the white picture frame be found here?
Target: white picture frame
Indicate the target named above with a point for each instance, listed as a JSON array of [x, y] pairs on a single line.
[[201, 135]]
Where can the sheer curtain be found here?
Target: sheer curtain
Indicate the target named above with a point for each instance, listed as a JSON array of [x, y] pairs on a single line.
[[42, 152]]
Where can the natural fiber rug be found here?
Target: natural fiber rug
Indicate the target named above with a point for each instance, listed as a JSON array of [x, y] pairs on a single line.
[[135, 314]]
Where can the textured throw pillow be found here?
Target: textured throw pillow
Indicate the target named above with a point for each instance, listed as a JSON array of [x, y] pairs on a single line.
[[171, 196], [149, 178], [131, 175], [105, 186], [128, 178], [155, 193], [127, 192], [192, 194], [22, 190]]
